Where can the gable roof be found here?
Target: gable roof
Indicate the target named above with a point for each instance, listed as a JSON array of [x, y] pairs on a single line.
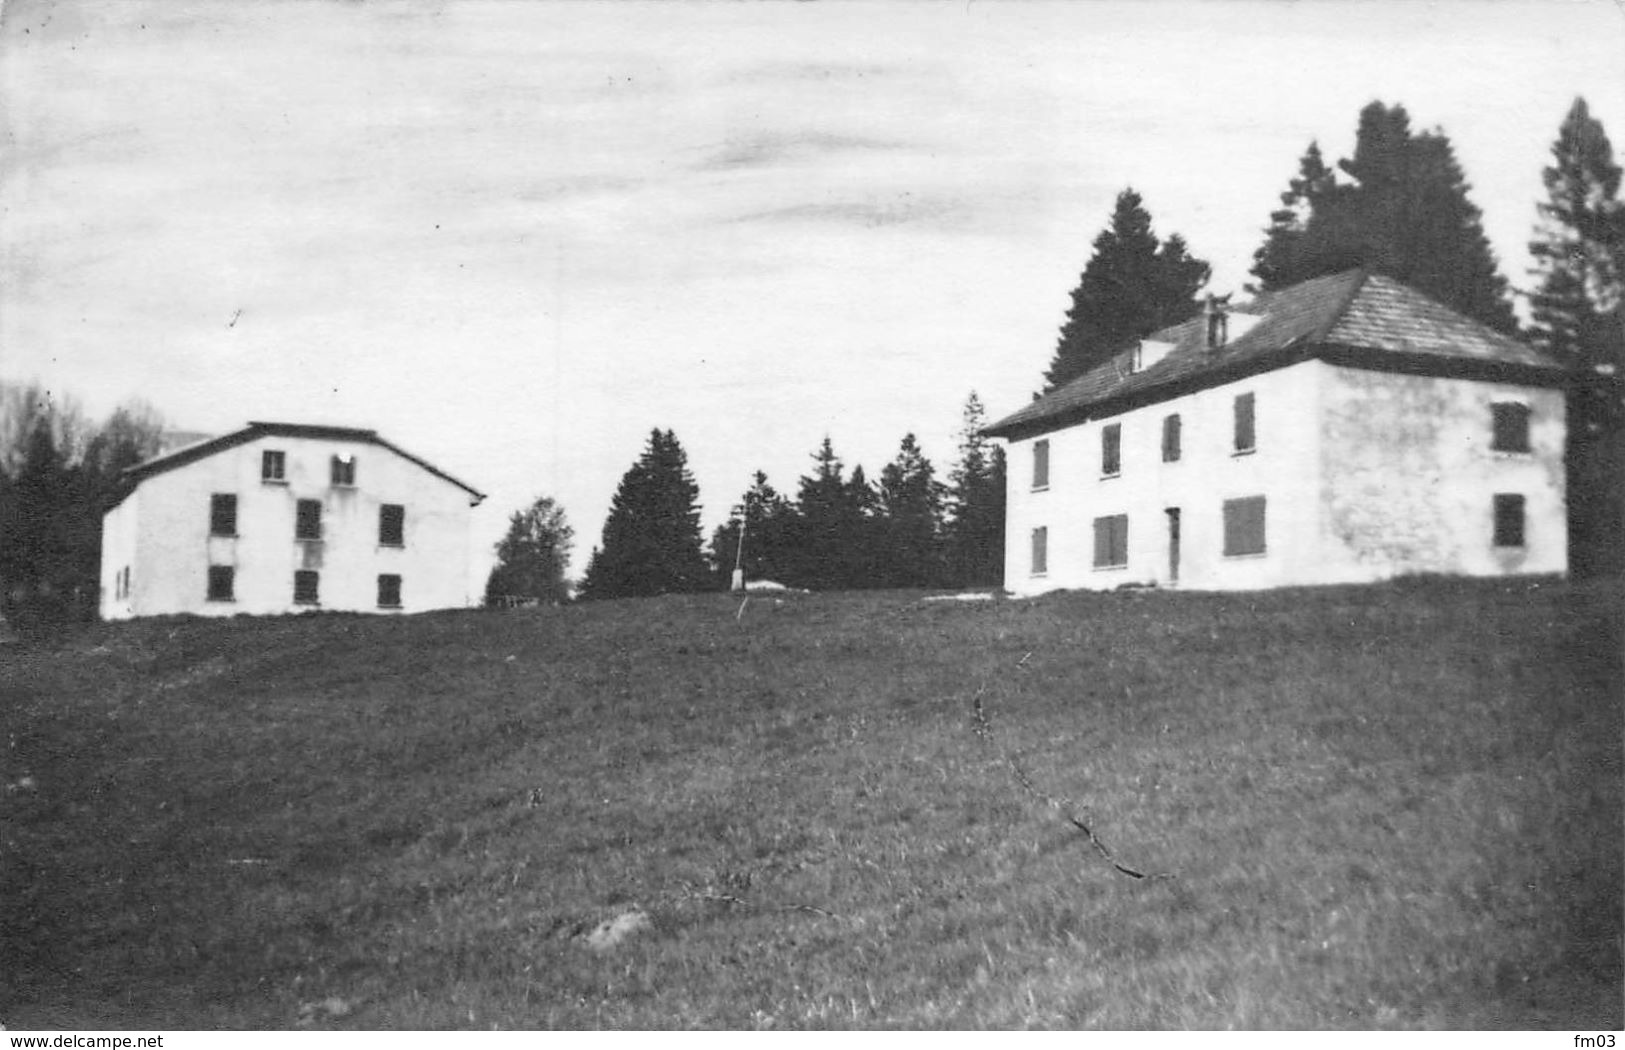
[[180, 457], [1356, 318]]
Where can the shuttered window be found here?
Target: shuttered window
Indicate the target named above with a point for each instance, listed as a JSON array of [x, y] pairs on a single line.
[[1509, 421], [306, 587], [223, 514], [1245, 438], [389, 591], [1244, 526], [1508, 520], [222, 583], [307, 523], [1170, 438], [1041, 464], [1111, 541], [1111, 449], [392, 525], [1040, 551]]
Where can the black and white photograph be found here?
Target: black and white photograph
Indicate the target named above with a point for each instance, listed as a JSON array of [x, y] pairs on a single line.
[[811, 515]]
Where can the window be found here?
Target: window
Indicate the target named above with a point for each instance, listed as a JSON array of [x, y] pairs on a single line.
[[1040, 551], [1246, 440], [1170, 438], [392, 525], [223, 514], [344, 470], [1111, 541], [306, 587], [1111, 449], [121, 584], [1041, 464], [222, 579], [273, 466], [1510, 422], [308, 521], [1508, 520], [1244, 526], [389, 591]]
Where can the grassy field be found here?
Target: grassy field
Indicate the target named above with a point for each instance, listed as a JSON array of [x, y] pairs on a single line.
[[1386, 807]]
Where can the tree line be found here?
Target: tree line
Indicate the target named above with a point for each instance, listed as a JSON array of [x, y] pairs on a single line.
[[58, 472], [841, 531], [1399, 204]]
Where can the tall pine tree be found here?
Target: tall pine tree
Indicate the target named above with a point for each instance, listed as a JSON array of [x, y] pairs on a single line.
[[974, 531], [1578, 315], [652, 536], [1403, 210], [910, 511], [832, 525], [1133, 285]]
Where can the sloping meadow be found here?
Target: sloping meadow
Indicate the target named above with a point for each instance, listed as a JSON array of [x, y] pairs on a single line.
[[1383, 807]]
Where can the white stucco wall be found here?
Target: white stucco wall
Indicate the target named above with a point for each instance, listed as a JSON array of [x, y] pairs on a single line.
[[1365, 475], [1409, 477], [172, 547], [118, 555], [1281, 468]]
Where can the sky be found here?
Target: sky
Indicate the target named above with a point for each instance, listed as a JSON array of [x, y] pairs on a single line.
[[514, 237]]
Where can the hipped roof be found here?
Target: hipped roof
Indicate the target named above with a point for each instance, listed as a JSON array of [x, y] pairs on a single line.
[[1357, 319]]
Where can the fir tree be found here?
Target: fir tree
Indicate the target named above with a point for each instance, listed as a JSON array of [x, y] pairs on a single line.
[[533, 558], [830, 524], [910, 512], [1132, 285], [974, 531], [1578, 315], [1404, 210], [768, 549], [651, 542]]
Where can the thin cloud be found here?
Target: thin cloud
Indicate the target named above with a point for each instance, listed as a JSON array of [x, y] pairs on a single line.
[[769, 149]]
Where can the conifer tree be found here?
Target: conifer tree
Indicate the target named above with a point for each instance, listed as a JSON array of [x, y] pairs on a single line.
[[533, 557], [974, 531], [1578, 315], [1403, 210], [910, 512], [830, 524], [767, 552], [1133, 285], [651, 543]]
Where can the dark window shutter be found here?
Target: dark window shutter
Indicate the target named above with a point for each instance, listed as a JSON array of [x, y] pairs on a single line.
[[1244, 526], [1246, 439], [1041, 464], [308, 523], [1510, 423], [1111, 449], [392, 525], [1170, 438], [221, 583], [223, 514], [306, 587], [1509, 519], [1040, 550]]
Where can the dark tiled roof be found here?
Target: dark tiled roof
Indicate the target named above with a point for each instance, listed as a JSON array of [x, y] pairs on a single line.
[[203, 449], [1354, 318]]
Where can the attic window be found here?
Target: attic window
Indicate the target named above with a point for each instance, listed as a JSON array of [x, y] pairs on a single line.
[[344, 470], [273, 465]]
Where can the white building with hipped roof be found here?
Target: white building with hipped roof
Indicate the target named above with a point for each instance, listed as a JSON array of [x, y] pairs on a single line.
[[1345, 429]]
